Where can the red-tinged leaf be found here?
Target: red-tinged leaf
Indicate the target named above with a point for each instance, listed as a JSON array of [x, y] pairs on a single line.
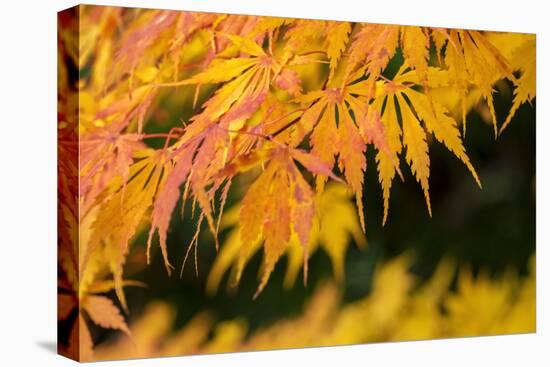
[[373, 46], [134, 44], [313, 164], [372, 129], [105, 155], [337, 38], [223, 200], [290, 81], [205, 165], [276, 225], [244, 109], [187, 24], [142, 108], [104, 313], [352, 159], [253, 211], [303, 208], [166, 201], [125, 210]]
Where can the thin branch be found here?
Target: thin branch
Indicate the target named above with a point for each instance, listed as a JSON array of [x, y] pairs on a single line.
[[283, 128], [286, 115]]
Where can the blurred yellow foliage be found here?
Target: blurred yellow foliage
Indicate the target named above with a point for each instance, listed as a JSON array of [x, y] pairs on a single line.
[[398, 308]]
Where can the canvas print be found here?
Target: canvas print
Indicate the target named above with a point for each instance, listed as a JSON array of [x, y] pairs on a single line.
[[241, 183]]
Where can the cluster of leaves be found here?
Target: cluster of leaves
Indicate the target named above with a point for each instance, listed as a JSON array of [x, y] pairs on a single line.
[[396, 309], [284, 104]]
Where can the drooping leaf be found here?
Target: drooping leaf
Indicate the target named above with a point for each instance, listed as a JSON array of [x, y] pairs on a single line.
[[104, 313], [524, 59], [352, 159], [414, 140]]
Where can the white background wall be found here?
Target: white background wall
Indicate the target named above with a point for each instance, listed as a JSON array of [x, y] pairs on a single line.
[[28, 182]]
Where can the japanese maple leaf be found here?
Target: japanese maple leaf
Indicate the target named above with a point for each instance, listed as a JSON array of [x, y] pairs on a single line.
[[419, 115], [121, 216], [99, 309], [341, 127], [277, 204], [472, 60], [247, 85], [524, 60], [104, 155]]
